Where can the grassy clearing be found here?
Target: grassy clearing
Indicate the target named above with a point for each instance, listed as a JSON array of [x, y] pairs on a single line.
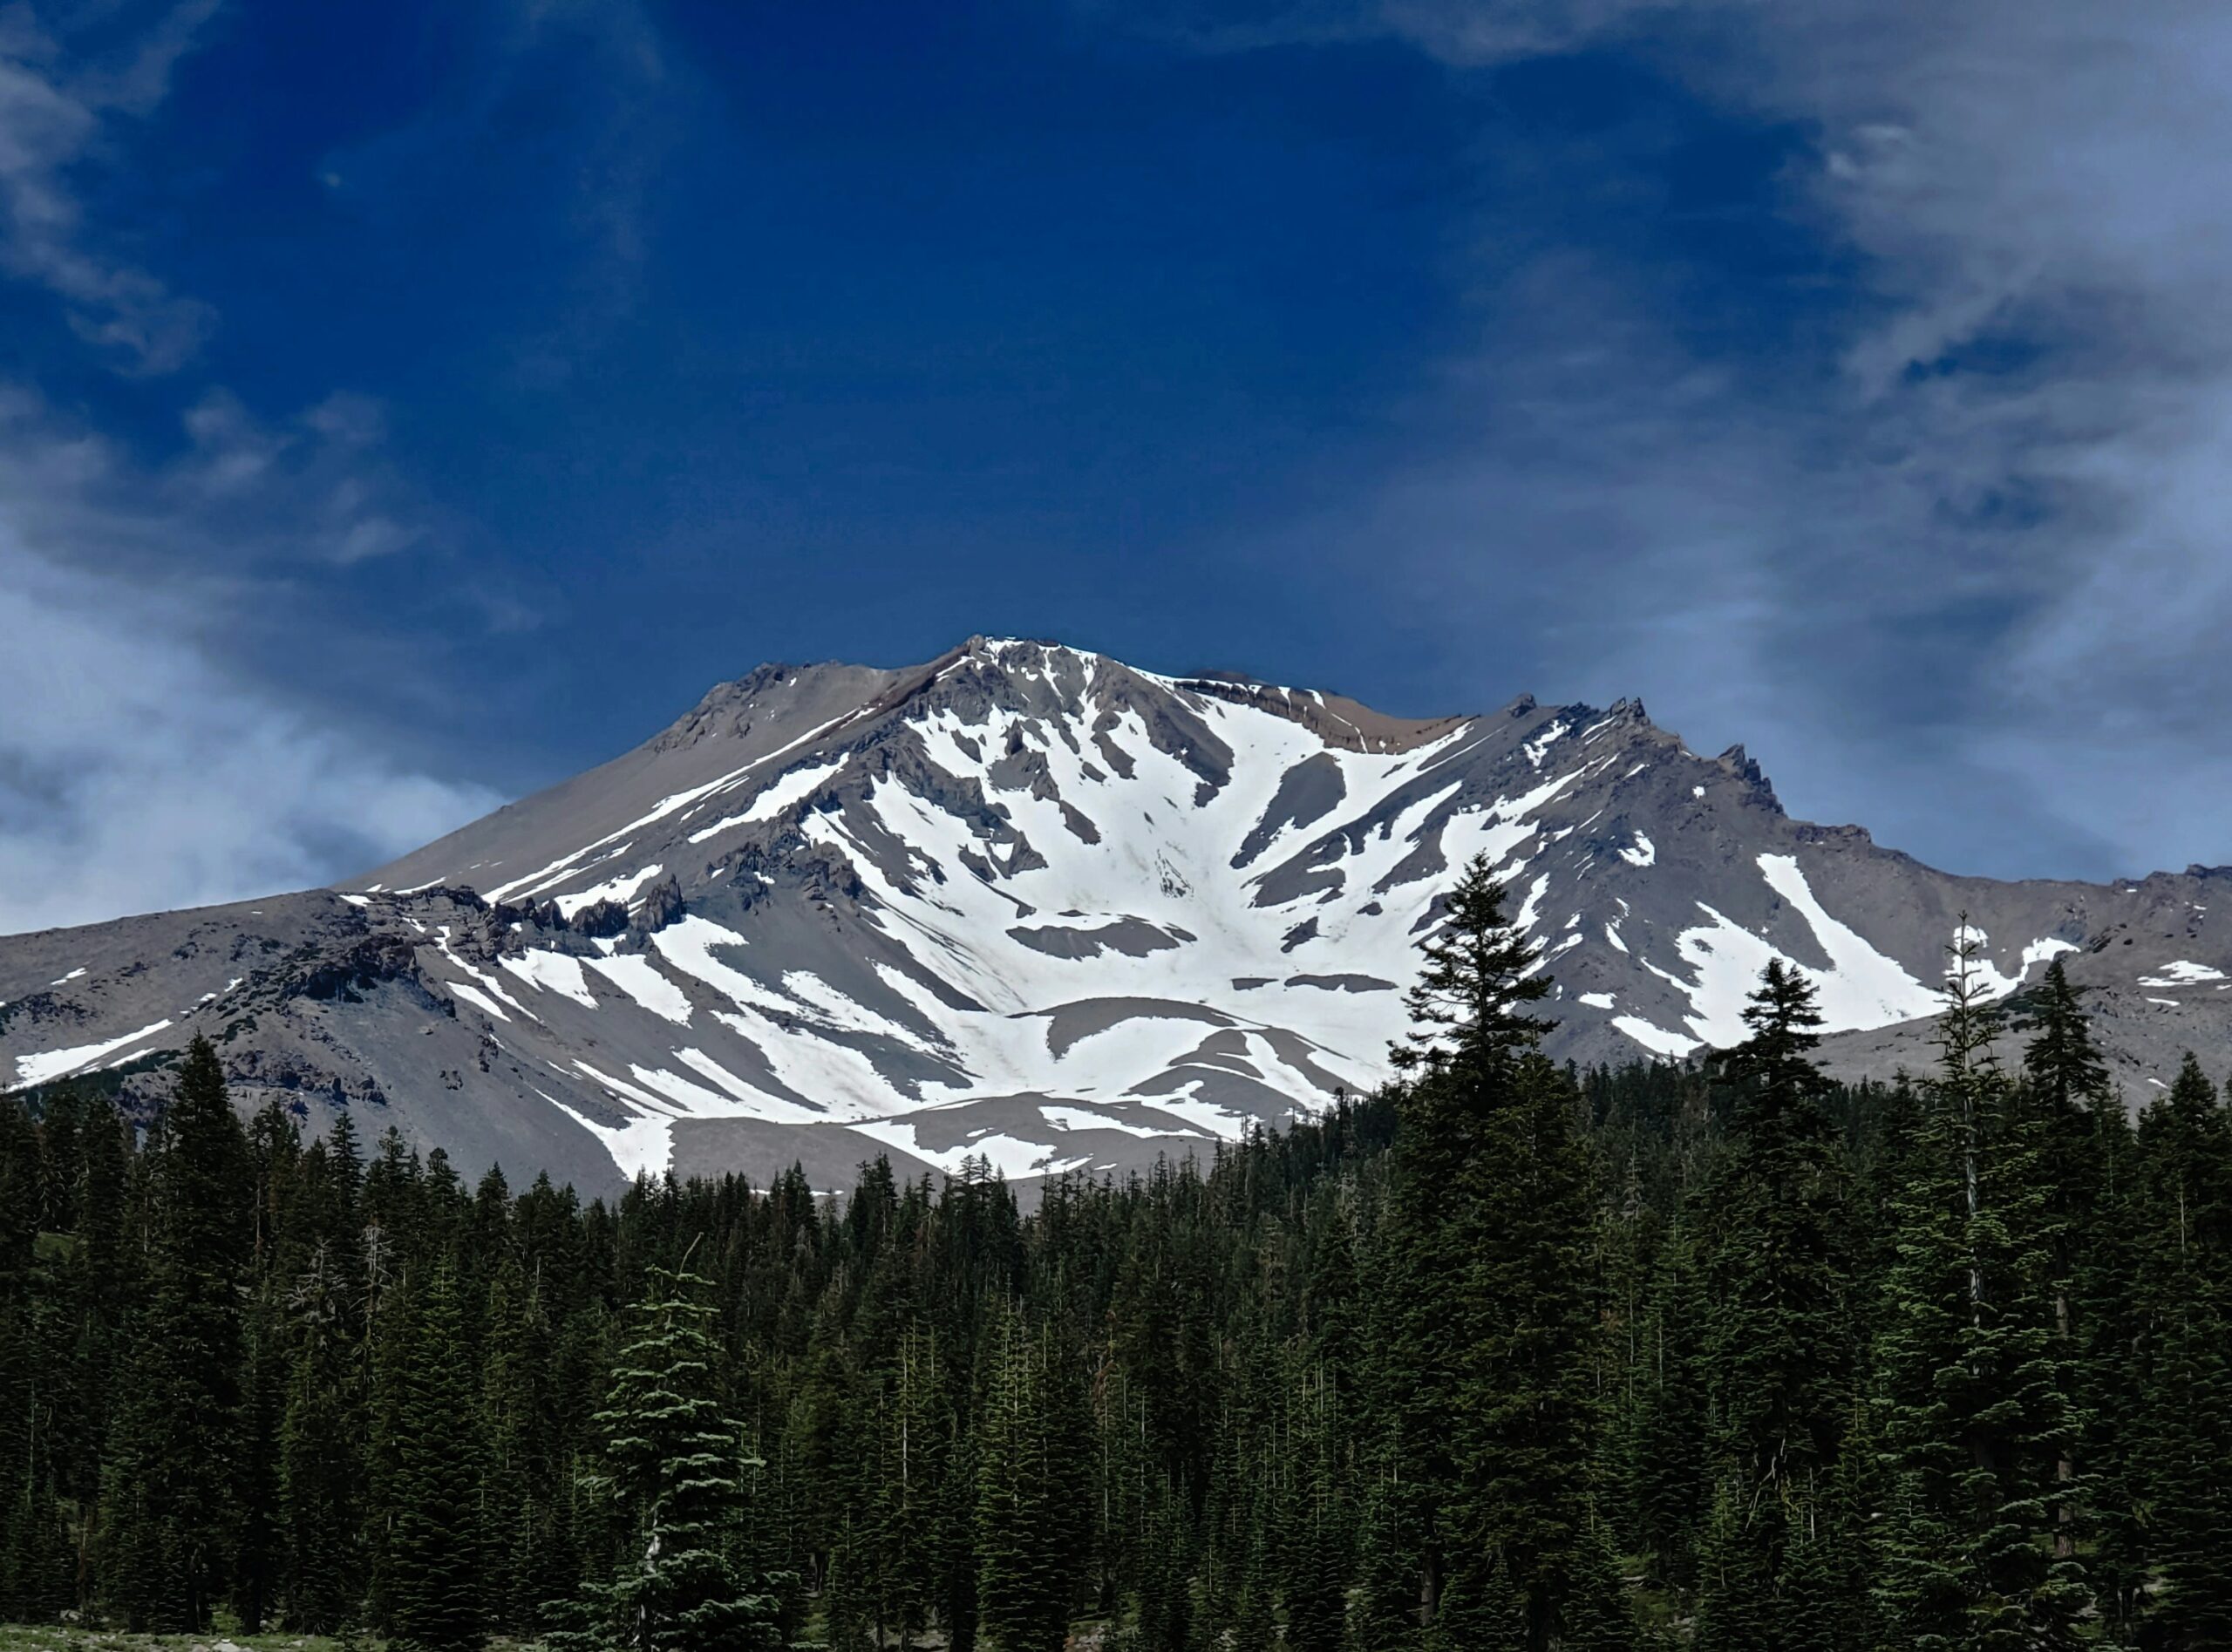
[[41, 1637], [44, 1638]]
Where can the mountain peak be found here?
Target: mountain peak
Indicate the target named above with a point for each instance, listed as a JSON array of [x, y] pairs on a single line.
[[1028, 904]]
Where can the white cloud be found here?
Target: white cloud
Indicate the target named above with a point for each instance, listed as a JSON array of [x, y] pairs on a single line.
[[137, 772], [1968, 559], [143, 763]]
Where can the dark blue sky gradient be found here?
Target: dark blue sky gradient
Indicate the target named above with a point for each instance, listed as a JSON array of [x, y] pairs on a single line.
[[677, 337]]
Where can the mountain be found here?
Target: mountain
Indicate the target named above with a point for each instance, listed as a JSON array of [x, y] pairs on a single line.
[[1027, 903]]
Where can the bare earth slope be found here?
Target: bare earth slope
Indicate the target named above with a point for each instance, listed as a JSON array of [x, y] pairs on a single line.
[[1029, 904]]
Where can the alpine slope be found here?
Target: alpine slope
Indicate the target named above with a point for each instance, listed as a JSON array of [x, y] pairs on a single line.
[[1026, 909]]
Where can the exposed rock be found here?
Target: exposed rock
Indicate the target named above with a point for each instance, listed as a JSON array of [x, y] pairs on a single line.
[[1026, 902]]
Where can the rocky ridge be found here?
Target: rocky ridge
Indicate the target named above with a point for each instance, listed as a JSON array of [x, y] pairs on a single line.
[[1026, 904]]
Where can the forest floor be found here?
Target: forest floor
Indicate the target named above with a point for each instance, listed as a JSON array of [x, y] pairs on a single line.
[[44, 1637]]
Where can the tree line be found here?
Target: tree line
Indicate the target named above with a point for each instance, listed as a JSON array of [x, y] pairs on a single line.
[[1505, 1356]]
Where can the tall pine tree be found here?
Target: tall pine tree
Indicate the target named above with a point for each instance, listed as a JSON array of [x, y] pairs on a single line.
[[1486, 1307], [432, 1564], [1031, 1513], [674, 1467], [172, 1494], [1775, 1219], [1973, 1387]]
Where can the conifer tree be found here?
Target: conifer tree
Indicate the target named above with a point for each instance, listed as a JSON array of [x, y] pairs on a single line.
[[35, 1558], [911, 1436], [1467, 1008], [432, 1561], [1775, 1216], [1165, 1602], [1972, 1386], [2182, 1446], [1030, 1500], [1669, 1473], [319, 1470], [2081, 1123], [1331, 1389], [2186, 1460], [1487, 1310], [528, 1545], [674, 1467], [172, 1493]]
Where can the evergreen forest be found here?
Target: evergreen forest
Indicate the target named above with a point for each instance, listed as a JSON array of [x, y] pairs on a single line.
[[1505, 1356]]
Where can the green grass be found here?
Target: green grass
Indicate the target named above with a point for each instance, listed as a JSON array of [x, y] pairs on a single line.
[[37, 1637]]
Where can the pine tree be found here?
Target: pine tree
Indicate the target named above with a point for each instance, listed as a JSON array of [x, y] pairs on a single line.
[[1775, 1216], [2187, 1460], [528, 1547], [1031, 1505], [1316, 1549], [259, 1561], [2183, 1445], [36, 1578], [1467, 1007], [1486, 1309], [319, 1470], [2067, 1081], [432, 1572], [674, 1467], [1973, 1388], [911, 1434], [1165, 1605], [1669, 1476], [172, 1491]]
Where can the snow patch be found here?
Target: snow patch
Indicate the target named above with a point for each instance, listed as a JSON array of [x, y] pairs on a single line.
[[620, 889], [1655, 1039], [778, 795], [636, 976], [54, 1064], [2180, 973], [557, 972]]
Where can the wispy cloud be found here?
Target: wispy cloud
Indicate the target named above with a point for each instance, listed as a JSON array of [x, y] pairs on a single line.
[[137, 772], [628, 106], [144, 762], [1964, 570], [54, 112]]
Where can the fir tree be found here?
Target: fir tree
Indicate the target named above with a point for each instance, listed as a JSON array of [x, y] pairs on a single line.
[[1467, 1007], [1668, 1475], [2183, 1445], [1775, 1217], [911, 1436], [319, 1470], [433, 1562], [2067, 1083], [1165, 1596], [1031, 1494], [1487, 1314], [1339, 1386], [674, 1467], [172, 1494], [1973, 1388]]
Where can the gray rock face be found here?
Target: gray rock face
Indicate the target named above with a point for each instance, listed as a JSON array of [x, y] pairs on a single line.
[[1028, 904]]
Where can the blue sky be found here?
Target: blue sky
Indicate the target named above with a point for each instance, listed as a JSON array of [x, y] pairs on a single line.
[[402, 407]]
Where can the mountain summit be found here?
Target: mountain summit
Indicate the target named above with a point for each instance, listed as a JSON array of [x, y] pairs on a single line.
[[1027, 904]]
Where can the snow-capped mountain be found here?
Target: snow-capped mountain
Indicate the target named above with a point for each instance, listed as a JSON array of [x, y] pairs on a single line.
[[1029, 904]]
